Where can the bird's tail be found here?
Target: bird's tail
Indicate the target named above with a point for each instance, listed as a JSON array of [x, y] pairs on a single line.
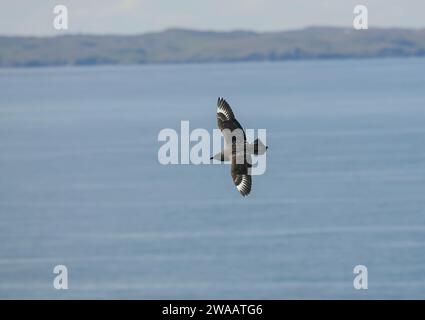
[[259, 147]]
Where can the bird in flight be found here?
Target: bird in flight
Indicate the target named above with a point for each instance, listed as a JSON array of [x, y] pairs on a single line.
[[237, 149]]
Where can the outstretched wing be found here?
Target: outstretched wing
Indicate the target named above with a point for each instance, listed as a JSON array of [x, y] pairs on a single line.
[[241, 173], [229, 126]]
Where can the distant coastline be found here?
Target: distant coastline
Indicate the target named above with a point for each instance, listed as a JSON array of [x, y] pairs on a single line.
[[190, 46]]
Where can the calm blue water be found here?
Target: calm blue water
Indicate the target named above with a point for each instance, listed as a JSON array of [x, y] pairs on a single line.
[[80, 183]]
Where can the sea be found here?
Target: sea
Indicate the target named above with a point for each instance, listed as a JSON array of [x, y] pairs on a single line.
[[81, 185]]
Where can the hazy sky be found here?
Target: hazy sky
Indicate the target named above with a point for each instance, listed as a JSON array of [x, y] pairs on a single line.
[[34, 17]]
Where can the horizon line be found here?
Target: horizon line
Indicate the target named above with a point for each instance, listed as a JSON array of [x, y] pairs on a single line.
[[200, 30]]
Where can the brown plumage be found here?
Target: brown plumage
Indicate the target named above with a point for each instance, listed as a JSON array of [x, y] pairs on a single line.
[[235, 138]]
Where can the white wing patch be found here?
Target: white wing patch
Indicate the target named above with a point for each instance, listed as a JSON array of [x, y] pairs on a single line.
[[224, 108], [244, 186]]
